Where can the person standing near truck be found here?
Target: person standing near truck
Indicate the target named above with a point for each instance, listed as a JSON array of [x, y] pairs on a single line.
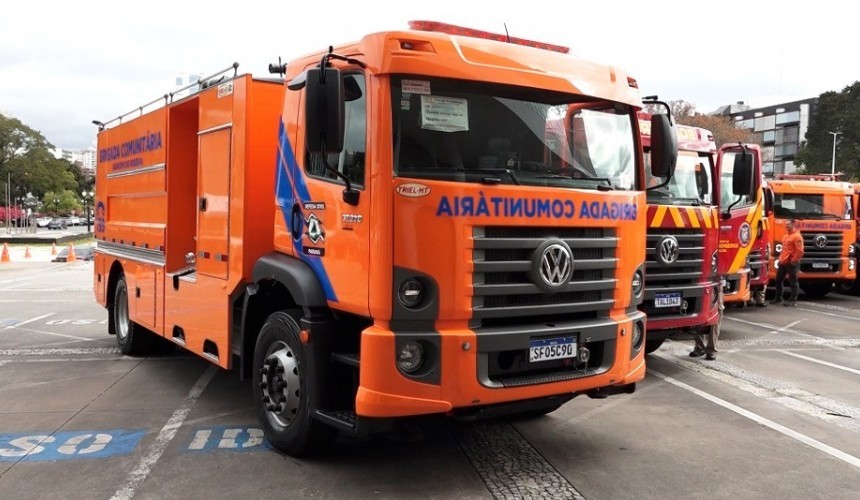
[[789, 261]]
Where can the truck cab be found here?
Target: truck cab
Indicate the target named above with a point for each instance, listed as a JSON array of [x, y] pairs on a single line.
[[823, 208], [681, 267]]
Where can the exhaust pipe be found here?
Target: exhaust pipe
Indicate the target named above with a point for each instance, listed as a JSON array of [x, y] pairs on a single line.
[[605, 392]]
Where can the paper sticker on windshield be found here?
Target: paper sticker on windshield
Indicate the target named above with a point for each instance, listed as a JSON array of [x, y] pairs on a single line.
[[788, 204], [444, 114], [415, 87]]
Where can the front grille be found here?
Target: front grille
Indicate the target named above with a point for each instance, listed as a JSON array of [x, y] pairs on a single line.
[[687, 269], [814, 256], [504, 292], [757, 265]]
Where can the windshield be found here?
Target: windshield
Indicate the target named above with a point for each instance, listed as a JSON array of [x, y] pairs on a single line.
[[812, 206], [499, 134], [691, 184], [727, 198]]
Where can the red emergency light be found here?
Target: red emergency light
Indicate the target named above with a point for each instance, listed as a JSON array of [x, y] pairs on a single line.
[[451, 29]]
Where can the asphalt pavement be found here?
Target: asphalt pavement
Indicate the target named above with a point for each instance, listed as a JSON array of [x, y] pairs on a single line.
[[777, 415]]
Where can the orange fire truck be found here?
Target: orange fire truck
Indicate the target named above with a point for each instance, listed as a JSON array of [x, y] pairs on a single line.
[[740, 218], [823, 207], [389, 229], [853, 287], [681, 267]]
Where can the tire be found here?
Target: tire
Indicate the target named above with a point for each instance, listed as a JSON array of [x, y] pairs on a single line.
[[816, 289], [131, 338], [281, 381], [653, 345]]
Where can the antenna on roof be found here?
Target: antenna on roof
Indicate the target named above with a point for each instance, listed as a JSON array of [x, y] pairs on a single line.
[[506, 32]]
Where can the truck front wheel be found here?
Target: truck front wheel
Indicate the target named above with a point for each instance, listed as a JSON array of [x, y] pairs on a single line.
[[281, 375], [816, 289]]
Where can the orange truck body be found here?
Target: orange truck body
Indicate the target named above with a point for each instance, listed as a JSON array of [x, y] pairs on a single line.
[[741, 222], [212, 213], [683, 227], [824, 212]]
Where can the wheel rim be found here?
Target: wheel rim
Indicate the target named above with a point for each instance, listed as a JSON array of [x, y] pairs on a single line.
[[121, 319], [281, 384]]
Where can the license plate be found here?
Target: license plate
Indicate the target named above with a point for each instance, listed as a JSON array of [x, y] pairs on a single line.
[[667, 300], [549, 349], [820, 265]]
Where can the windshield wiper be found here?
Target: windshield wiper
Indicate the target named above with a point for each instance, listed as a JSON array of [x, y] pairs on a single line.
[[490, 180]]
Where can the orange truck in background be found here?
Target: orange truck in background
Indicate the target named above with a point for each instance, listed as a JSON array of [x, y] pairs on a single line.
[[824, 210], [853, 287], [681, 277], [393, 227], [740, 217]]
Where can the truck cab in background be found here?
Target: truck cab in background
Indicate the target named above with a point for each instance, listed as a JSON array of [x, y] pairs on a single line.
[[681, 276], [741, 213]]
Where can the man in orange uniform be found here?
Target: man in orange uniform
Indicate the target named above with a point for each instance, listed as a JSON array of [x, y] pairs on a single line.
[[789, 262]]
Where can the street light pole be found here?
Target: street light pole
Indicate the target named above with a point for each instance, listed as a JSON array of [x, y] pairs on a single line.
[[833, 159], [87, 196]]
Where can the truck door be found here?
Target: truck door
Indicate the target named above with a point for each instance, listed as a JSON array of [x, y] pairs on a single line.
[[213, 190], [334, 236], [740, 216]]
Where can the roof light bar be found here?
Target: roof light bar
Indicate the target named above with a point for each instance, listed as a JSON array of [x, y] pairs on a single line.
[[451, 29]]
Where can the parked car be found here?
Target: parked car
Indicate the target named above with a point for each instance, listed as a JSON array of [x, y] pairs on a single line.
[[43, 221], [58, 223], [81, 253], [73, 220]]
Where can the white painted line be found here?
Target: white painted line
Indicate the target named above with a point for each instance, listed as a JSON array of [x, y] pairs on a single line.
[[832, 315], [820, 362], [61, 335], [774, 391], [58, 351], [167, 433], [31, 320], [36, 301], [818, 445]]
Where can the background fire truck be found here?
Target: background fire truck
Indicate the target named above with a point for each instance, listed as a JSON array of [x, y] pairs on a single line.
[[824, 210], [681, 277]]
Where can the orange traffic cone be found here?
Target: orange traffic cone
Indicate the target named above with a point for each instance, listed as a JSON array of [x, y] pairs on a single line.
[[53, 249], [27, 254], [5, 256], [71, 257]]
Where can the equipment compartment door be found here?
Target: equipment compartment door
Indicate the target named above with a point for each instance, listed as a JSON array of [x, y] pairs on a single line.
[[213, 203]]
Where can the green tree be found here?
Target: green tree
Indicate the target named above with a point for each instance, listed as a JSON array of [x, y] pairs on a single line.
[[836, 112], [61, 202], [26, 159]]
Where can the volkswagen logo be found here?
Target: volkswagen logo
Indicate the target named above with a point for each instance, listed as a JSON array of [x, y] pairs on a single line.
[[820, 241], [552, 265], [668, 250]]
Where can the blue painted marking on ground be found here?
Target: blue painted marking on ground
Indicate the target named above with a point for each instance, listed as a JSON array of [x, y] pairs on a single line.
[[68, 445]]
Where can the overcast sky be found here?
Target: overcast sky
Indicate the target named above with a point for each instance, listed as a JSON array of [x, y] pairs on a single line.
[[63, 64]]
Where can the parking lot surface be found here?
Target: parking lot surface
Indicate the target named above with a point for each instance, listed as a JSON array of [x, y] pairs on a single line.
[[777, 415]]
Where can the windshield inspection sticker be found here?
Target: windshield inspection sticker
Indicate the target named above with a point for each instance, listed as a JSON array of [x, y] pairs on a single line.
[[415, 87], [444, 114]]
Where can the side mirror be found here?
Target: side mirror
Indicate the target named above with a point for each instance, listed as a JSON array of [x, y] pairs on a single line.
[[768, 202], [664, 147], [743, 182], [324, 110], [702, 181]]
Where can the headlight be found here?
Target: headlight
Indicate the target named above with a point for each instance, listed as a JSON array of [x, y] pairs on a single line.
[[638, 283], [851, 264], [778, 248], [714, 262], [852, 250], [411, 357], [638, 335], [776, 264], [411, 293]]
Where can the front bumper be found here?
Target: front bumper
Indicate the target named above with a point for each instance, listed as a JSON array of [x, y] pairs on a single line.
[[472, 367], [702, 308]]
